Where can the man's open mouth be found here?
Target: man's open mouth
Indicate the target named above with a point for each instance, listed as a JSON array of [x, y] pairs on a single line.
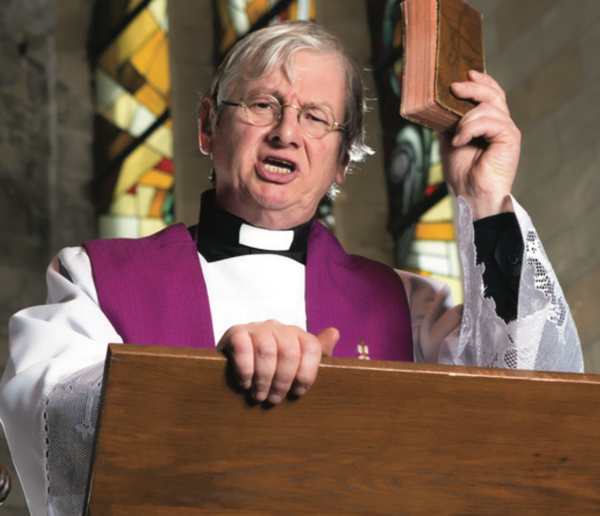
[[279, 166]]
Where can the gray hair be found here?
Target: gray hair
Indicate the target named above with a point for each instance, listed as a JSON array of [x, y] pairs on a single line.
[[260, 52]]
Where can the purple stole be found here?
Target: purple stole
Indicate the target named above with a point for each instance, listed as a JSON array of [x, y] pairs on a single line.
[[152, 290]]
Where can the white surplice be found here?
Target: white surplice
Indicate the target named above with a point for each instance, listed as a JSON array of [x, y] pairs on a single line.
[[50, 387]]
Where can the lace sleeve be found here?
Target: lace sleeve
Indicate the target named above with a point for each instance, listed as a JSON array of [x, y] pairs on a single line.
[[70, 416], [48, 345], [543, 336]]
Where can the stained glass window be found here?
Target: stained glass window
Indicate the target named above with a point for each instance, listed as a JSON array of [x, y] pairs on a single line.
[[421, 211], [238, 17], [133, 129]]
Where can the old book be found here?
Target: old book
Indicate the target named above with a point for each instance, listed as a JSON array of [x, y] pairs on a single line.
[[443, 40]]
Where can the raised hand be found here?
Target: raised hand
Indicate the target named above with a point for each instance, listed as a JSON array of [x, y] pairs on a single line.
[[273, 359], [481, 157]]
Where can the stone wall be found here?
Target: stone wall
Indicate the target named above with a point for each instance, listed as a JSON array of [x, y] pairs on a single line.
[[45, 139], [545, 55]]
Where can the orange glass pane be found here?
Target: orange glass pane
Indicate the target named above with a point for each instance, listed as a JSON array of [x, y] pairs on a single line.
[[157, 202], [150, 98], [435, 231], [157, 179], [152, 61], [254, 9]]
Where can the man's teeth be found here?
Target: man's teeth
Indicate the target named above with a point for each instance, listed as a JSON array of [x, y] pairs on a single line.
[[277, 169]]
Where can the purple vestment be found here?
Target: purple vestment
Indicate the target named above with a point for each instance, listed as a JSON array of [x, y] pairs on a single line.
[[152, 290]]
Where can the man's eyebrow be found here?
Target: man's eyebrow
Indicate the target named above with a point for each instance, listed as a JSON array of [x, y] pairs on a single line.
[[274, 93], [280, 97]]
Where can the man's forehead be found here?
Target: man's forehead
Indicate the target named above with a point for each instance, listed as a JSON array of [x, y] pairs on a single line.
[[320, 74]]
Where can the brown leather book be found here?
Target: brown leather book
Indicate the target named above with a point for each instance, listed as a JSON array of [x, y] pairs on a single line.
[[443, 40]]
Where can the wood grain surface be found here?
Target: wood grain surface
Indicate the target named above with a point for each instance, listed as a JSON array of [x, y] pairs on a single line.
[[369, 438]]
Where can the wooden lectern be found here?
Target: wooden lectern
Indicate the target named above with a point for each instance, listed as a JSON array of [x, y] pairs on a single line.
[[370, 438]]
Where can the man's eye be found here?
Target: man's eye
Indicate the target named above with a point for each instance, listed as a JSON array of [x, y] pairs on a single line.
[[316, 116], [262, 105]]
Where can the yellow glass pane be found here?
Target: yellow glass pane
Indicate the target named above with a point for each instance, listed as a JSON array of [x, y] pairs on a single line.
[[157, 203], [162, 141], [138, 162], [158, 73], [128, 114], [435, 173], [144, 56], [435, 231], [121, 111], [113, 226], [144, 195], [152, 61], [124, 205], [157, 179], [149, 226], [150, 98], [443, 210], [159, 10], [132, 38]]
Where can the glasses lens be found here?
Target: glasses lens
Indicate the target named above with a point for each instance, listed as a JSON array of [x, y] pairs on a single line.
[[263, 110], [316, 121]]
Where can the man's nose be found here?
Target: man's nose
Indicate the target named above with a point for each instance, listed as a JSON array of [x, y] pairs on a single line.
[[287, 130]]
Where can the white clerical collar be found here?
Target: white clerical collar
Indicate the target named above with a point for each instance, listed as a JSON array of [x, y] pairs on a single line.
[[221, 235], [267, 239]]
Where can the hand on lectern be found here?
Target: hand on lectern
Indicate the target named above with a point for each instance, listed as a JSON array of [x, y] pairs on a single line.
[[274, 359]]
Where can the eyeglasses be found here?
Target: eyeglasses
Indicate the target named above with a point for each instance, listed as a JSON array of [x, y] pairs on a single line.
[[263, 110]]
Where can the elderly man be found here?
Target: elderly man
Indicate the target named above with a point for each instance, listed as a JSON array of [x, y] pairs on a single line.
[[259, 278]]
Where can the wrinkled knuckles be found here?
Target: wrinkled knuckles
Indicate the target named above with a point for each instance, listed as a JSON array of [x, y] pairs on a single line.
[[290, 352], [239, 341], [266, 351]]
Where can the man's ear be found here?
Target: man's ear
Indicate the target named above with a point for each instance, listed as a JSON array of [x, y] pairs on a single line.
[[205, 125], [340, 176]]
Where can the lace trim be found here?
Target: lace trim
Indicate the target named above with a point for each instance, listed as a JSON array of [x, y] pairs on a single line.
[[72, 410], [542, 337]]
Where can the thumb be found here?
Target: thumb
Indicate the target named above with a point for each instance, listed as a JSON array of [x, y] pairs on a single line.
[[328, 339]]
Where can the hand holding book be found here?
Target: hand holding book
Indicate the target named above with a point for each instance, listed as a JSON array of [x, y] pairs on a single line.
[[444, 87], [481, 155]]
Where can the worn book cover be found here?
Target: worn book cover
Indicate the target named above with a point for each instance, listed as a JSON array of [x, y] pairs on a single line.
[[443, 40]]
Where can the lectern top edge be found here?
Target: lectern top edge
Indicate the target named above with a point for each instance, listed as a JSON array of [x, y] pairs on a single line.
[[121, 351]]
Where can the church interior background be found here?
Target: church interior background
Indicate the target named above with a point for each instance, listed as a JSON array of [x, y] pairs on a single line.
[[98, 134]]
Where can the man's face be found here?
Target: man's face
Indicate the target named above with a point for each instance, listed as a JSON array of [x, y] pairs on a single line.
[[247, 183]]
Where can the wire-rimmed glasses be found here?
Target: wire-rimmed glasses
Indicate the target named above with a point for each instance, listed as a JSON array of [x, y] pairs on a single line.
[[262, 110]]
